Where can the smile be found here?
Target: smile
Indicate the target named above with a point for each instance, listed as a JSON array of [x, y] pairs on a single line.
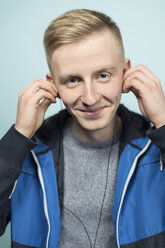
[[92, 113]]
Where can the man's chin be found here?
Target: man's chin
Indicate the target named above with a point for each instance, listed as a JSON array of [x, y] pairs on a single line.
[[91, 126]]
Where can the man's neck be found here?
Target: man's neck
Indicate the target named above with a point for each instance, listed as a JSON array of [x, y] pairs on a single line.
[[97, 135]]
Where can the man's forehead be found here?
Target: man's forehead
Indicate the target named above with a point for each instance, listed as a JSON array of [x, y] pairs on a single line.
[[101, 40], [95, 52]]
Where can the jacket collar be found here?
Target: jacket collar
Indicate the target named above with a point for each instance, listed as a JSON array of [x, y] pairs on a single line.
[[133, 126]]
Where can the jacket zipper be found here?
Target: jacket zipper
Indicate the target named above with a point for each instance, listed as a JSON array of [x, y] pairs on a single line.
[[125, 188], [44, 196]]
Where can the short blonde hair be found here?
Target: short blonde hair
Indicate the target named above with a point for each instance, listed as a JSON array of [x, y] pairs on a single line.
[[74, 25]]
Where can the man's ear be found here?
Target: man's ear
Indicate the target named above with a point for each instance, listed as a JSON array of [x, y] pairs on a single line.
[[50, 79], [127, 65]]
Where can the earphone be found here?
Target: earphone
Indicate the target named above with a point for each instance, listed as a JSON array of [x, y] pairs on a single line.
[[58, 95]]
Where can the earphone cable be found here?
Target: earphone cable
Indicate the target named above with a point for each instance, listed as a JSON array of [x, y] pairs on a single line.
[[103, 196], [81, 223], [105, 187]]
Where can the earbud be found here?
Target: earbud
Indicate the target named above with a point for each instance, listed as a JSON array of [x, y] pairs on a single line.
[[58, 95]]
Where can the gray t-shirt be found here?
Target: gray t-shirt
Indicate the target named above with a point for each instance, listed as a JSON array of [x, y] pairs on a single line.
[[85, 170]]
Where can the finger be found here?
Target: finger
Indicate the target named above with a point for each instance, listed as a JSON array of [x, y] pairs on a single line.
[[138, 76], [41, 86], [45, 104], [149, 84], [43, 94], [134, 85], [39, 83], [38, 87], [45, 85], [143, 69]]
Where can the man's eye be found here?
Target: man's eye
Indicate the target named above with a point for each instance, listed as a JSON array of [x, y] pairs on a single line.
[[72, 80], [103, 75]]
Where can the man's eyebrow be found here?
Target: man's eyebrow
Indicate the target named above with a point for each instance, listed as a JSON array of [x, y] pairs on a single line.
[[105, 68], [64, 76]]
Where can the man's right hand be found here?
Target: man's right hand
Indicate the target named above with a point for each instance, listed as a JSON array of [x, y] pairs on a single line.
[[30, 112]]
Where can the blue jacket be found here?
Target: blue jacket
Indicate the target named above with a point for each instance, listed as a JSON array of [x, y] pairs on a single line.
[[139, 201]]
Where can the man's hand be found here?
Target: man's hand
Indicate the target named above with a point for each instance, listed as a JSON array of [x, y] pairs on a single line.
[[30, 112], [148, 91]]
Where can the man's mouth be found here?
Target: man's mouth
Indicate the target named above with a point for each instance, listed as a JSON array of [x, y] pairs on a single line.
[[92, 112]]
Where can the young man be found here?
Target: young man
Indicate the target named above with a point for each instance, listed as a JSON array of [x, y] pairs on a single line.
[[92, 175]]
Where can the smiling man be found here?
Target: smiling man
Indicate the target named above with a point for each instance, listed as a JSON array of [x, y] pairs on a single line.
[[91, 175], [88, 76]]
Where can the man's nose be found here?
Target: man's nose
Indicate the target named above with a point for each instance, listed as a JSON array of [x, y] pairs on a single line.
[[89, 95]]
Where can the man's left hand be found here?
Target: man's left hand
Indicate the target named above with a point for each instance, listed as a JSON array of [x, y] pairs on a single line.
[[148, 91]]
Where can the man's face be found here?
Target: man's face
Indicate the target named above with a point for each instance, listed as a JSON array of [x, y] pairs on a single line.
[[88, 75]]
